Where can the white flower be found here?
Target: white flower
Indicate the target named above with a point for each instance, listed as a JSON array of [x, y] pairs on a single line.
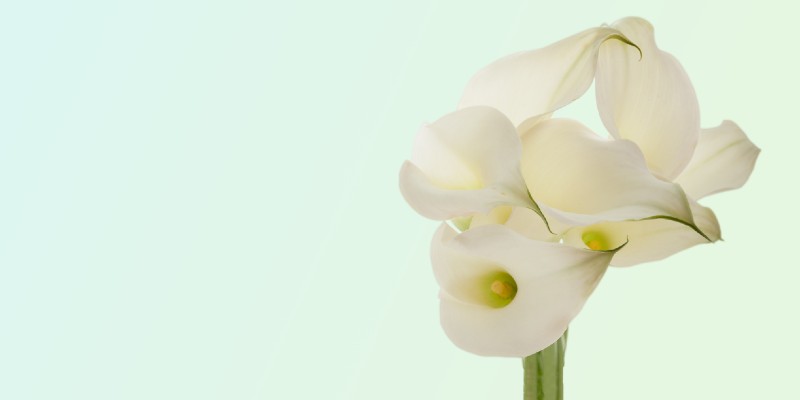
[[543, 204], [581, 178], [503, 294], [466, 162]]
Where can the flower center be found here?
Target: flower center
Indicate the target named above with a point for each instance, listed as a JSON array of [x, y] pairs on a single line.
[[500, 288], [595, 240]]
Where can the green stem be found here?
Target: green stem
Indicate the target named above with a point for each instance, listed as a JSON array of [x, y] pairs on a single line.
[[544, 372]]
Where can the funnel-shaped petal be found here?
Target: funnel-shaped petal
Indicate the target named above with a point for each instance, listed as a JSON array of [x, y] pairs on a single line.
[[503, 294], [466, 162], [646, 97]]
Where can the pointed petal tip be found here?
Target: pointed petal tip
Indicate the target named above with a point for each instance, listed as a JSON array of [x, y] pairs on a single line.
[[724, 159]]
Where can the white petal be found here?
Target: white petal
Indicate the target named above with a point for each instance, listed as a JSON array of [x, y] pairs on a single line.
[[553, 282], [647, 240], [723, 160], [524, 221], [466, 162], [532, 83], [583, 179], [648, 98]]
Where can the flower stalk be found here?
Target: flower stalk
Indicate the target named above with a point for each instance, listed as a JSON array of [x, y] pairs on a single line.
[[544, 372]]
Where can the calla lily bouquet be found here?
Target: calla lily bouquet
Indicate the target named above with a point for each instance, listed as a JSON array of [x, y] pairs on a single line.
[[535, 208]]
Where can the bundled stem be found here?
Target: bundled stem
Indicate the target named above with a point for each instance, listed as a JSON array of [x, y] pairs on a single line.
[[544, 372]]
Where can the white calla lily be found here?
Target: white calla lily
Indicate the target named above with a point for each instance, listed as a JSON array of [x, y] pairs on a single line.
[[537, 208], [647, 240], [535, 83], [723, 160], [466, 162], [582, 179], [647, 98], [503, 294]]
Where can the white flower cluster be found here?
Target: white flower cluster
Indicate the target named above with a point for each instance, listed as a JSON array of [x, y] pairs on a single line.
[[536, 208]]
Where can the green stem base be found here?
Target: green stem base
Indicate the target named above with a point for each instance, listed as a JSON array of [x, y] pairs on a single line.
[[544, 372]]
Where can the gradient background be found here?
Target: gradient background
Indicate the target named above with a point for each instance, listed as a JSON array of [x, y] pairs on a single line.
[[199, 201]]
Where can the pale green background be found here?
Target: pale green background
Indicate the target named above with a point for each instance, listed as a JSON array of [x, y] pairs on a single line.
[[199, 201]]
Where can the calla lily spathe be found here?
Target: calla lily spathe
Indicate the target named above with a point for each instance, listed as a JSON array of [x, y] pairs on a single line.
[[466, 162], [503, 294], [648, 99], [581, 178]]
